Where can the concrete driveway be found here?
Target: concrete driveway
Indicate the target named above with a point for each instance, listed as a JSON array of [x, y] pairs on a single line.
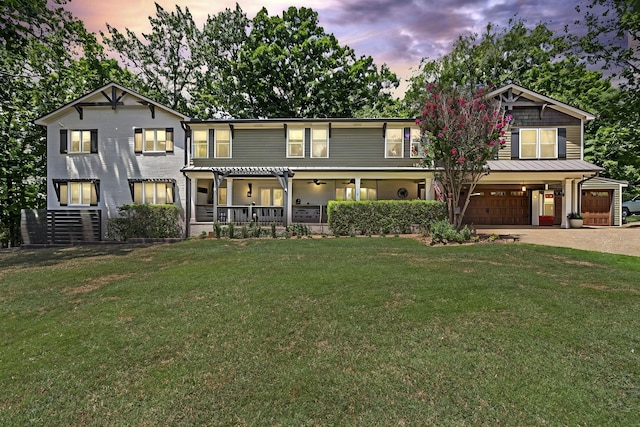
[[623, 240]]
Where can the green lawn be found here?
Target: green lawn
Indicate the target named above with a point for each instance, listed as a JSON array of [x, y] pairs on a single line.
[[349, 331]]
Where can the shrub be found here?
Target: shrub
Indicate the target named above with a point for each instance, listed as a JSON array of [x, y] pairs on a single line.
[[445, 232], [382, 216], [217, 228], [273, 230], [231, 230], [145, 221], [299, 230]]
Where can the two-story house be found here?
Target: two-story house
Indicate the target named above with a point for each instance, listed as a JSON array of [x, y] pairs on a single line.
[[114, 147]]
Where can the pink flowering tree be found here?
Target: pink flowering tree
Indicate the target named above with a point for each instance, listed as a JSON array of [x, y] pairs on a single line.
[[461, 131]]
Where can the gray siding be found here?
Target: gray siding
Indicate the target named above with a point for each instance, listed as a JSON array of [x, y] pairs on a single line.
[[530, 117], [348, 147]]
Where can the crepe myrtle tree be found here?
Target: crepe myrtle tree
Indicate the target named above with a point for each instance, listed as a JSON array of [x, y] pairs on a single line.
[[461, 130]]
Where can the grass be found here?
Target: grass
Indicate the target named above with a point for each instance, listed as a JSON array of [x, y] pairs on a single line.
[[349, 331]]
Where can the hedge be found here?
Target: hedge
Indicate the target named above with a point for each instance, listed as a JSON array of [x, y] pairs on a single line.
[[383, 216], [145, 221]]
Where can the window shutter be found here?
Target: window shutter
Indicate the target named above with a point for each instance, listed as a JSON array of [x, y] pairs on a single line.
[[169, 140], [95, 193], [137, 140], [94, 140], [212, 136], [406, 141], [63, 193], [515, 144], [131, 189], [307, 141], [63, 141], [562, 143]]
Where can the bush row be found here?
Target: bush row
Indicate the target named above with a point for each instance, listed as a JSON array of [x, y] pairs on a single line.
[[383, 216], [145, 221]]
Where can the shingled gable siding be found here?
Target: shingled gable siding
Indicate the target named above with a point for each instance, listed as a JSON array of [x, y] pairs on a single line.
[[348, 147]]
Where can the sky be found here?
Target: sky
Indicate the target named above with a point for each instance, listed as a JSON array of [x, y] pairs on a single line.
[[398, 33]]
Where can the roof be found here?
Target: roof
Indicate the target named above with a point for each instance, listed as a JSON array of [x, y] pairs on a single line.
[[542, 166], [553, 103], [305, 120], [606, 180], [44, 120]]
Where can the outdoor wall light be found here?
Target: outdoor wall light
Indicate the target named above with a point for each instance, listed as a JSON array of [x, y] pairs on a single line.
[[250, 190], [524, 188]]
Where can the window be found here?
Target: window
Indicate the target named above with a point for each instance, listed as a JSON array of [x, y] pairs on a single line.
[[538, 143], [153, 140], [200, 144], [78, 141], [77, 193], [295, 143], [319, 143], [152, 192], [393, 143], [271, 197], [223, 143], [416, 142], [222, 196], [349, 193]]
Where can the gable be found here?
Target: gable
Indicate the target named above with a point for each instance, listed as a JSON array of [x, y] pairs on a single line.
[[112, 96]]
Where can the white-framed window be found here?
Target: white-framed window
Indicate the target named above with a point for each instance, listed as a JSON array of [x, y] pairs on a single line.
[[539, 143], [295, 142], [349, 193], [319, 142], [222, 143], [271, 197], [200, 145], [153, 140], [393, 143], [415, 139], [77, 193], [152, 192], [78, 141]]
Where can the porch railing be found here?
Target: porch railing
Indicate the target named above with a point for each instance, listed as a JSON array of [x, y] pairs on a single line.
[[243, 214]]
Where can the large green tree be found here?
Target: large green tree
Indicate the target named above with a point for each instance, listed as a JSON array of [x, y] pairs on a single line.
[[47, 58], [270, 66], [290, 67], [612, 42], [165, 59]]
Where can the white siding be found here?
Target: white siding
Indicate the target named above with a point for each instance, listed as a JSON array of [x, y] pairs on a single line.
[[116, 162]]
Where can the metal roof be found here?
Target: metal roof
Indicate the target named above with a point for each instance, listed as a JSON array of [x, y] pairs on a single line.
[[542, 166]]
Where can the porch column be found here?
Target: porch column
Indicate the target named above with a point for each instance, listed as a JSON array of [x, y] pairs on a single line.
[[567, 202], [230, 200], [357, 190], [288, 209], [428, 189], [216, 186], [192, 201]]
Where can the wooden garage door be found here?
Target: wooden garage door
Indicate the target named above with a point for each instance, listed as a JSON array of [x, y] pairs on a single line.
[[498, 207], [596, 207]]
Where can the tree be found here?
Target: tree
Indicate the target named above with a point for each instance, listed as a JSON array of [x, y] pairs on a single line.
[[290, 67], [462, 130], [164, 58], [47, 58], [612, 42]]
